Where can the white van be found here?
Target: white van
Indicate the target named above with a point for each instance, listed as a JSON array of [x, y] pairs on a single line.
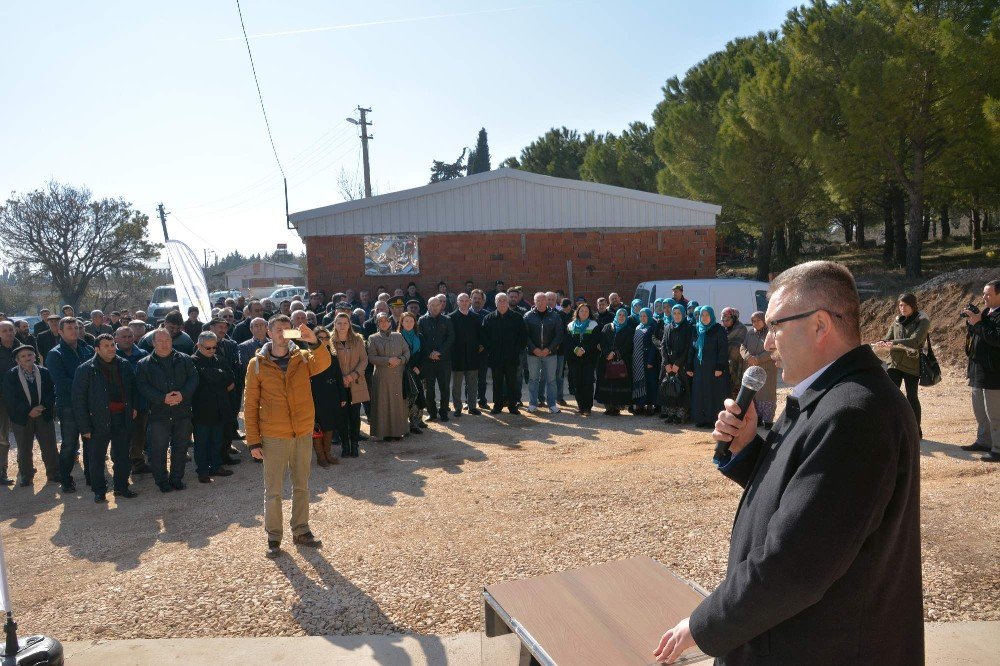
[[287, 291], [747, 296], [163, 300]]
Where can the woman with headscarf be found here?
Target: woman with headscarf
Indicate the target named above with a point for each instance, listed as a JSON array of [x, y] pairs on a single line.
[[692, 308], [708, 366], [413, 387], [634, 312], [753, 353], [582, 340], [616, 345], [909, 329], [677, 342], [736, 332], [332, 402], [388, 352], [645, 368]]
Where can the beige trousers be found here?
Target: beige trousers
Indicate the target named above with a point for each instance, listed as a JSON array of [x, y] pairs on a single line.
[[281, 455]]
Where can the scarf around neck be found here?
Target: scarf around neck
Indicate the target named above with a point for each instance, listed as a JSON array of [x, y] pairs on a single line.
[[412, 339], [37, 376]]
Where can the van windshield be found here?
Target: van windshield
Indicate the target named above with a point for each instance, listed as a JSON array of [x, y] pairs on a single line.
[[642, 295], [164, 295]]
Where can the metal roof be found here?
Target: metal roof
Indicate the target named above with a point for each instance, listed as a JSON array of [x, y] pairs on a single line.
[[504, 200]]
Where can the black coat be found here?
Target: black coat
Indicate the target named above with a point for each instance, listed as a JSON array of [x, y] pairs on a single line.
[[982, 346], [44, 343], [328, 391], [242, 331], [17, 403], [677, 343], [91, 395], [212, 401], [708, 392], [156, 377], [824, 560], [504, 337], [436, 334], [590, 341], [465, 349]]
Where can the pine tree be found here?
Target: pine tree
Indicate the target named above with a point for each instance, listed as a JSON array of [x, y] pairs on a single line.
[[479, 159]]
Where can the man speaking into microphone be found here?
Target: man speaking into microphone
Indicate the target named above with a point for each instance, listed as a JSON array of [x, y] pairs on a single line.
[[824, 559]]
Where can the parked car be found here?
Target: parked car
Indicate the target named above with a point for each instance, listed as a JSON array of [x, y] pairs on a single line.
[[747, 296], [287, 291], [214, 297], [163, 300]]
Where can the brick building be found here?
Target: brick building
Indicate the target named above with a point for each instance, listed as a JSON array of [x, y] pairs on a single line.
[[537, 231]]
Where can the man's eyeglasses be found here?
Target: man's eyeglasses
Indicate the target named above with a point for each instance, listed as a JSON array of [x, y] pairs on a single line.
[[802, 315]]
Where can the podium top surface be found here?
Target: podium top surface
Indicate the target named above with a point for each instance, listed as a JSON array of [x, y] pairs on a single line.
[[613, 613]]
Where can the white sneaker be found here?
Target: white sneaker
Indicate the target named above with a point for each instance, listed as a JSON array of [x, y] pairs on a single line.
[[532, 408], [553, 410]]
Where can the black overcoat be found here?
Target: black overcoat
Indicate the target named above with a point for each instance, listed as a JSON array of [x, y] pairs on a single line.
[[824, 560]]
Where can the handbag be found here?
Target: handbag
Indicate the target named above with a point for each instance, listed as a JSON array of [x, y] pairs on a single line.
[[930, 369], [615, 370]]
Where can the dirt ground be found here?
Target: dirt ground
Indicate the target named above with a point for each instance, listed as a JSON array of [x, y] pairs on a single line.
[[413, 530]]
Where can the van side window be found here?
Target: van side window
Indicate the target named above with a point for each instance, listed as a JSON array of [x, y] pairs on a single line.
[[652, 295], [642, 295], [760, 297]]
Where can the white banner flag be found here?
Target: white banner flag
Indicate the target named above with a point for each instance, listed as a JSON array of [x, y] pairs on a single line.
[[189, 280]]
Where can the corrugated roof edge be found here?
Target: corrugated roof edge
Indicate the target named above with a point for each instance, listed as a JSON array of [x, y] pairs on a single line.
[[549, 181]]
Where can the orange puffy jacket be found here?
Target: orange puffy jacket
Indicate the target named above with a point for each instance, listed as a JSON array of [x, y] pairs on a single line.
[[280, 404]]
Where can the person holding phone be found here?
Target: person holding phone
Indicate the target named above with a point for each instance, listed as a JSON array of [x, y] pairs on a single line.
[[280, 416]]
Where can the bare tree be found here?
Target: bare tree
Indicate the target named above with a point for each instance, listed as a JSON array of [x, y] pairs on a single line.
[[352, 187], [61, 232]]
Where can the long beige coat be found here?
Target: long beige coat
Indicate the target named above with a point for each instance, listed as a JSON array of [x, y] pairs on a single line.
[[753, 347], [354, 358], [390, 415]]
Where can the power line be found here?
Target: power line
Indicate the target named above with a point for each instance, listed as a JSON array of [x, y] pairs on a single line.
[[260, 96]]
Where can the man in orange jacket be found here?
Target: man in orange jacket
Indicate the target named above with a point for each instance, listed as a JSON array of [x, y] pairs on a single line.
[[279, 416]]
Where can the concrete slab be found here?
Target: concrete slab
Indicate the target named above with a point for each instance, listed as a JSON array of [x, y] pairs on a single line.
[[948, 644]]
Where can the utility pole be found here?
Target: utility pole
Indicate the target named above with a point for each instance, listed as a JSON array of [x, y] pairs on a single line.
[[364, 147], [163, 220]]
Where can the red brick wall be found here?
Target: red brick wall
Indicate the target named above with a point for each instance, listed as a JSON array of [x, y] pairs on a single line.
[[602, 261]]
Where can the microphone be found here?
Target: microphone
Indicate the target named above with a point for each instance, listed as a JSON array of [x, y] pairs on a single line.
[[753, 380]]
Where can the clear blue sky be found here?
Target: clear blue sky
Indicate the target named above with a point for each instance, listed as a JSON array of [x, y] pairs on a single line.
[[155, 101]]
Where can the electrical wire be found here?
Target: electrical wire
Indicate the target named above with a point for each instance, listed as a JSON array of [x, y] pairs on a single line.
[[260, 96]]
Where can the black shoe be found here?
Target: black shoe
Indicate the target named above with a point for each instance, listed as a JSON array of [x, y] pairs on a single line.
[[444, 417], [127, 493], [432, 417], [27, 482], [458, 414], [496, 410], [483, 404], [354, 450], [141, 468], [345, 450], [100, 499], [515, 411], [205, 478], [990, 457], [165, 487], [177, 485], [474, 411], [975, 447], [69, 487], [222, 471], [416, 431], [307, 540], [562, 402], [362, 437], [229, 460], [273, 549]]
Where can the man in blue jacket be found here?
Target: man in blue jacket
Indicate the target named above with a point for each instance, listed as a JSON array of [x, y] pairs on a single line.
[[62, 362], [545, 333], [104, 405], [167, 380]]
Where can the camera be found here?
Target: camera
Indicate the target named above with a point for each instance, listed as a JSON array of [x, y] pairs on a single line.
[[971, 307]]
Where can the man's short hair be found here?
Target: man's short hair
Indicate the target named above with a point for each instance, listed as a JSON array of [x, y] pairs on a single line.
[[276, 319], [205, 336], [823, 285], [174, 317], [501, 296], [103, 336], [478, 291], [161, 331], [216, 321], [995, 284], [66, 321], [193, 308]]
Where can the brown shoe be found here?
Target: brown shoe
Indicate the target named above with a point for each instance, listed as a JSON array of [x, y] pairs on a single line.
[[320, 453], [307, 539]]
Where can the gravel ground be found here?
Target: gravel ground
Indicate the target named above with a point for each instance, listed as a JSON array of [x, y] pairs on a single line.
[[413, 530]]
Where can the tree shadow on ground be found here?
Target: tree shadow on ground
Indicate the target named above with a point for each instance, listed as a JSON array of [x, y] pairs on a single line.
[[350, 606]]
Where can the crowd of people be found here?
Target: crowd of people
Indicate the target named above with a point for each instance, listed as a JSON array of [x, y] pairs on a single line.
[[303, 371]]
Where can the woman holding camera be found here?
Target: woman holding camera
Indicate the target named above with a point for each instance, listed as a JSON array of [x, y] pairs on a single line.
[[908, 331]]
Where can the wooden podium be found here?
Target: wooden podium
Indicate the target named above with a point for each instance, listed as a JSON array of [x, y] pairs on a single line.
[[613, 613]]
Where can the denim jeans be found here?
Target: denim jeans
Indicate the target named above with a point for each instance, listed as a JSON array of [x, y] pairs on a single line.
[[541, 370], [172, 433], [208, 447], [119, 437]]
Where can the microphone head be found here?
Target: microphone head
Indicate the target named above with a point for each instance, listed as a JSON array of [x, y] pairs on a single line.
[[754, 378]]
